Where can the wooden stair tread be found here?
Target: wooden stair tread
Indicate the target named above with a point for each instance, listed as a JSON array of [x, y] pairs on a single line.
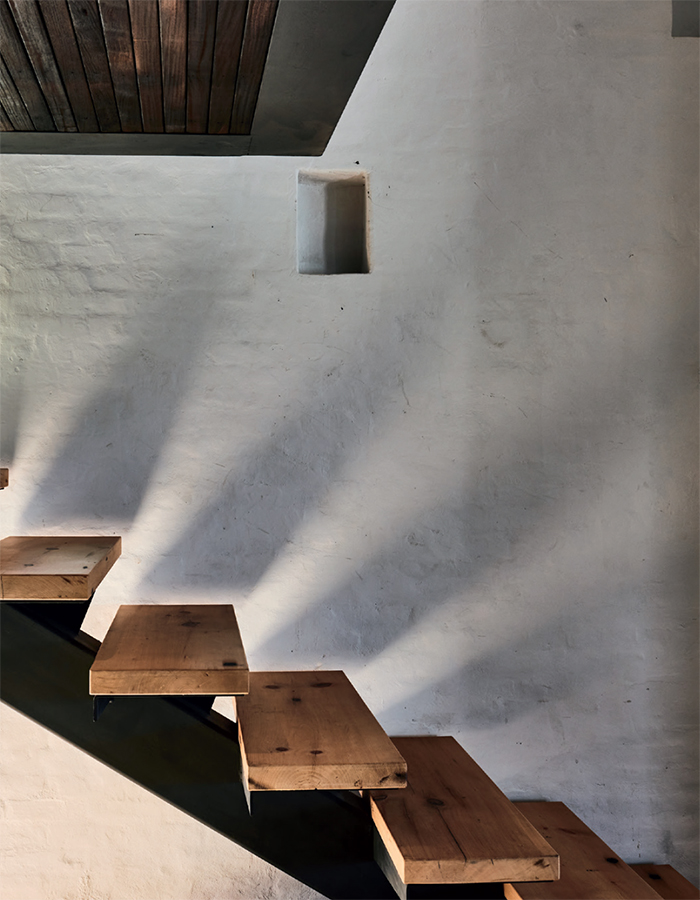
[[589, 868], [171, 649], [55, 568], [453, 825], [666, 881], [4, 477], [312, 731]]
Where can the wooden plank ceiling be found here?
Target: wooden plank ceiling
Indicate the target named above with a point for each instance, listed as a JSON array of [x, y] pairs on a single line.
[[131, 66]]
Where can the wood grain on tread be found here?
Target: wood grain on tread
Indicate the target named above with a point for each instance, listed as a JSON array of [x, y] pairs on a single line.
[[312, 731], [171, 649], [589, 868], [667, 882], [55, 568], [453, 825]]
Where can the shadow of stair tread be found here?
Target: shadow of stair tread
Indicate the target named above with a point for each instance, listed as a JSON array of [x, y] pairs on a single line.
[[303, 731], [666, 881], [171, 649], [55, 568], [589, 868], [452, 824], [187, 758]]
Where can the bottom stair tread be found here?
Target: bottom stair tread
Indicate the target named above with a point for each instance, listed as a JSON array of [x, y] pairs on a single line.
[[590, 870], [667, 882]]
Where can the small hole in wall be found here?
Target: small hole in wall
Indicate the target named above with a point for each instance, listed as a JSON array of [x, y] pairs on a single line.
[[332, 223]]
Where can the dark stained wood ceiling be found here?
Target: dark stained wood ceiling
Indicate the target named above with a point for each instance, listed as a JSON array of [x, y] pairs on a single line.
[[89, 68], [169, 66]]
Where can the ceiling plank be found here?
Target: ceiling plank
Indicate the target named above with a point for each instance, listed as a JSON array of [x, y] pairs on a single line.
[[201, 30], [173, 46], [23, 76], [88, 30], [116, 27], [60, 31], [41, 55], [258, 31], [5, 123], [145, 33], [14, 106], [230, 22]]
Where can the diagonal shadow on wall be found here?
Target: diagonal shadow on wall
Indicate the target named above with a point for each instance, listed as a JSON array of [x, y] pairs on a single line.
[[11, 396], [107, 458], [494, 685], [453, 546], [260, 505]]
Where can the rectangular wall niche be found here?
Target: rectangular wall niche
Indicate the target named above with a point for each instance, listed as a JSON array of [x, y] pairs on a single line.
[[332, 223]]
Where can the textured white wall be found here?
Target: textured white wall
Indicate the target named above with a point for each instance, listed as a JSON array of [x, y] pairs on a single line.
[[467, 478]]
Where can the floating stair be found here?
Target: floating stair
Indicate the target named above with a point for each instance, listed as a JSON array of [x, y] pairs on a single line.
[[171, 650], [589, 868], [449, 832], [303, 731], [4, 477], [667, 883], [452, 825], [55, 568]]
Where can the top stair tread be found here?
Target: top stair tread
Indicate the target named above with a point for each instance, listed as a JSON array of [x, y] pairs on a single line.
[[589, 867], [171, 649], [4, 477], [666, 881], [453, 825], [312, 731], [55, 568]]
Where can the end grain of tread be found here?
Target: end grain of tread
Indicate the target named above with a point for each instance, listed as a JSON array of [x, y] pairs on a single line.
[[589, 867], [453, 825]]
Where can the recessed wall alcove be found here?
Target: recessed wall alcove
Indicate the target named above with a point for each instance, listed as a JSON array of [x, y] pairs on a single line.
[[332, 223]]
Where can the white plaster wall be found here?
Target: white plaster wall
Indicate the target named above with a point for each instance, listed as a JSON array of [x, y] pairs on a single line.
[[468, 478]]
